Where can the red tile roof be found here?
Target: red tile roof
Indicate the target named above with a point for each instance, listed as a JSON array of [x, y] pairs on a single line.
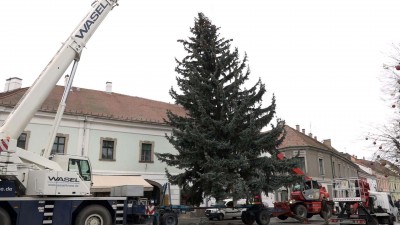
[[296, 138], [378, 166], [95, 103]]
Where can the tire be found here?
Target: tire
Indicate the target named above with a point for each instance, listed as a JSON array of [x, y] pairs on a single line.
[[220, 217], [248, 218], [4, 217], [263, 217], [169, 218], [328, 214], [300, 211], [391, 220], [93, 213], [282, 217]]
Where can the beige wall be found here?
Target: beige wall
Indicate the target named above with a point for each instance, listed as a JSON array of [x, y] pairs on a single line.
[[313, 159]]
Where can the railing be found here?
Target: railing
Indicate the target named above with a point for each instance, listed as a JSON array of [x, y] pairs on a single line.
[[350, 189]]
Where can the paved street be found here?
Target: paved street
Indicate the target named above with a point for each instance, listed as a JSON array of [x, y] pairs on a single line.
[[203, 220], [316, 220]]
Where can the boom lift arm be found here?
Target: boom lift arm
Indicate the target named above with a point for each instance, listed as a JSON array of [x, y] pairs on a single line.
[[17, 164]]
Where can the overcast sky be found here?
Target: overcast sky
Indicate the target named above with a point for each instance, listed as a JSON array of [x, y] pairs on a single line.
[[321, 58]]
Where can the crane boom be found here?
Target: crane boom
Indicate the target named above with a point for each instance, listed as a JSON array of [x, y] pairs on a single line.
[[47, 80], [25, 168]]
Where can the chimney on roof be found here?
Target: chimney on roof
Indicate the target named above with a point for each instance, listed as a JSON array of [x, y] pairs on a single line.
[[66, 79], [298, 127], [303, 131], [327, 142], [109, 87], [315, 137], [310, 134], [12, 83]]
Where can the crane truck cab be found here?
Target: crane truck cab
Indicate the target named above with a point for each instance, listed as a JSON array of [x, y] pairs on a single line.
[[73, 180], [78, 164]]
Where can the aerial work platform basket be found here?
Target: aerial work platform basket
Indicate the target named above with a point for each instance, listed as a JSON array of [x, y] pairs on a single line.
[[351, 189]]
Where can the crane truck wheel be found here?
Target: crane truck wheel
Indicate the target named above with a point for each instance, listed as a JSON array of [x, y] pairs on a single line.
[[263, 217], [300, 210], [248, 217], [169, 218], [93, 214], [4, 217], [282, 217]]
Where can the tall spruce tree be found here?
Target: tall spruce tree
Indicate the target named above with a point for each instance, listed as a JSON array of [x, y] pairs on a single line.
[[221, 147]]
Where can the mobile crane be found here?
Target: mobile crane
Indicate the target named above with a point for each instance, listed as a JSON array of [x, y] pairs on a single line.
[[37, 190]]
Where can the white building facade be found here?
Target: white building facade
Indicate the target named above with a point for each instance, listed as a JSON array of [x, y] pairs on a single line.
[[116, 144]]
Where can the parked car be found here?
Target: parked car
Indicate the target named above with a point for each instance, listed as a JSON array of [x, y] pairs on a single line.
[[224, 210]]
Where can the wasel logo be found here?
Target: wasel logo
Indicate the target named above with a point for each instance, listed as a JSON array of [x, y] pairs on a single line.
[[64, 179], [89, 22]]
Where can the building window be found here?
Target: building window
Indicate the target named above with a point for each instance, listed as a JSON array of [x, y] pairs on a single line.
[[301, 157], [146, 151], [60, 144], [333, 170], [108, 149], [321, 166], [301, 163], [339, 171], [22, 141]]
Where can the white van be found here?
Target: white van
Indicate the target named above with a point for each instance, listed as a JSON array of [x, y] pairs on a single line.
[[384, 200]]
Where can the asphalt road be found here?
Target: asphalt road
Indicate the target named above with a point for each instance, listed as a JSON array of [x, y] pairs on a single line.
[[315, 220]]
